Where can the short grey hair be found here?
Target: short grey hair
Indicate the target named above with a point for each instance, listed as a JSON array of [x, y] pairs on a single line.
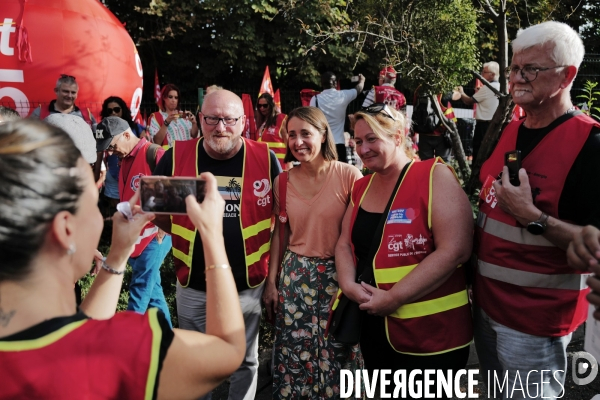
[[67, 80], [493, 67], [568, 47]]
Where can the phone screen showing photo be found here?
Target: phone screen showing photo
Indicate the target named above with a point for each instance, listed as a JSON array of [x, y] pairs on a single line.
[[166, 195]]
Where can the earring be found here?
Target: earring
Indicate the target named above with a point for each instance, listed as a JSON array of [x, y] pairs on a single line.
[[71, 250]]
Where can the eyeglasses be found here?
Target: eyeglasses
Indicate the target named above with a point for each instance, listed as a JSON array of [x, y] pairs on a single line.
[[377, 108], [115, 110], [528, 72], [113, 146], [63, 76], [262, 105], [227, 121]]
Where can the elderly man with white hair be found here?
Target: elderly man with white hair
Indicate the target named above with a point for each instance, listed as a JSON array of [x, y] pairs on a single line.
[[486, 101], [528, 300]]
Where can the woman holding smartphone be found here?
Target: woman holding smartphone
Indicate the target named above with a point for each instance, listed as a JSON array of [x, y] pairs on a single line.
[[169, 123], [50, 227]]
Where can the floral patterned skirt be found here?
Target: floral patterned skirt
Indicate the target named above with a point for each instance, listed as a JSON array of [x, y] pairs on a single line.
[[305, 364]]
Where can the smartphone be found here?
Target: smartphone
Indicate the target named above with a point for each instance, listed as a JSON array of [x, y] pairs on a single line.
[[183, 114], [512, 159], [355, 78], [166, 195]]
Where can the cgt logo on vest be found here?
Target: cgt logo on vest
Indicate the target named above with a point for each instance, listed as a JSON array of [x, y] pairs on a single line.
[[261, 190], [488, 193], [135, 182]]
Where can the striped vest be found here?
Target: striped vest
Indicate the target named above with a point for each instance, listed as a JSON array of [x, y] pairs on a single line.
[[523, 280], [255, 210]]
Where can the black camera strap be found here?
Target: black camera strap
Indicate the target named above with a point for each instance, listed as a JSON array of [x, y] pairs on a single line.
[[367, 270]]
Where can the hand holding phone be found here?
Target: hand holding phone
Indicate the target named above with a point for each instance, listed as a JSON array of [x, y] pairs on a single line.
[[512, 159], [166, 195]]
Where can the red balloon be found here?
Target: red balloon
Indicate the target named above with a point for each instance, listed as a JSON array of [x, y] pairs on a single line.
[[42, 39]]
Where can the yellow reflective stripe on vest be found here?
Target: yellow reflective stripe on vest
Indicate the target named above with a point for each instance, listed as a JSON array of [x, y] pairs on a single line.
[[280, 155], [392, 275], [256, 256], [183, 232], [253, 230], [510, 233], [165, 146], [532, 279], [188, 235], [186, 259], [434, 306], [276, 145]]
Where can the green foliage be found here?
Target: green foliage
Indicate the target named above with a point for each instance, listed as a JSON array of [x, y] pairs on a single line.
[[590, 96]]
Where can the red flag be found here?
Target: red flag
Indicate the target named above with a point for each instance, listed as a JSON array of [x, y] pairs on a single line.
[[145, 117], [277, 100], [250, 129], [266, 86], [156, 87]]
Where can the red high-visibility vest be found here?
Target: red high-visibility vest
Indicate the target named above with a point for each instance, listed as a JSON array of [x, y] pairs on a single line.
[[523, 280], [440, 321], [390, 96], [273, 138], [255, 210], [117, 358]]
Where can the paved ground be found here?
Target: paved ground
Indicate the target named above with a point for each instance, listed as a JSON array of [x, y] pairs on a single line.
[[573, 392]]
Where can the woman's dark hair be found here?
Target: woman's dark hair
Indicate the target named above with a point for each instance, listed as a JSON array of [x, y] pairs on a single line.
[[271, 118], [316, 118], [126, 115], [164, 92], [38, 179]]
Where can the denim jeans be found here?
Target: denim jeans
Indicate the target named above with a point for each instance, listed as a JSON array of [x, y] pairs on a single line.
[[535, 364], [191, 312], [145, 290]]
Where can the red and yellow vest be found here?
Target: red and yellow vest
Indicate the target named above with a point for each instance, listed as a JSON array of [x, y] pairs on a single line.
[[273, 138], [255, 212], [110, 359], [523, 280], [389, 96], [130, 184], [440, 321]]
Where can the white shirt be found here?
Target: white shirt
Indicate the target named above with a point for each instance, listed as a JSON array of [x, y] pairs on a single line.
[[333, 103], [487, 102]]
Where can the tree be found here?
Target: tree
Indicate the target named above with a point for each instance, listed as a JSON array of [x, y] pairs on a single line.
[[430, 42]]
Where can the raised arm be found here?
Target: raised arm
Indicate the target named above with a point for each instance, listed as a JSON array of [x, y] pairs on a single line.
[[101, 301], [195, 362]]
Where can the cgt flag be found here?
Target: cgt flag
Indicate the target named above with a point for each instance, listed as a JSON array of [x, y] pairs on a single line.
[[266, 86], [156, 87], [277, 101]]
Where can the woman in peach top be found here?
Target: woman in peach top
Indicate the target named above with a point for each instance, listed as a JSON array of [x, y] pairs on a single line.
[[318, 192]]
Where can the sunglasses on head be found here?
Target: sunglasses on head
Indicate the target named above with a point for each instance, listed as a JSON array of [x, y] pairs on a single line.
[[377, 108], [115, 110], [262, 105], [62, 76]]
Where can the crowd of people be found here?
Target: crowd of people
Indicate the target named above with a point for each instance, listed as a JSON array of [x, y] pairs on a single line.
[[288, 225]]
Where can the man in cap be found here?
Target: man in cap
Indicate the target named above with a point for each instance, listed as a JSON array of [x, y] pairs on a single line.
[[333, 103], [385, 92], [138, 159]]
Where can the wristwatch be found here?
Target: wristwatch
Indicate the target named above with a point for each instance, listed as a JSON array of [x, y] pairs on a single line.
[[166, 123], [538, 227]]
